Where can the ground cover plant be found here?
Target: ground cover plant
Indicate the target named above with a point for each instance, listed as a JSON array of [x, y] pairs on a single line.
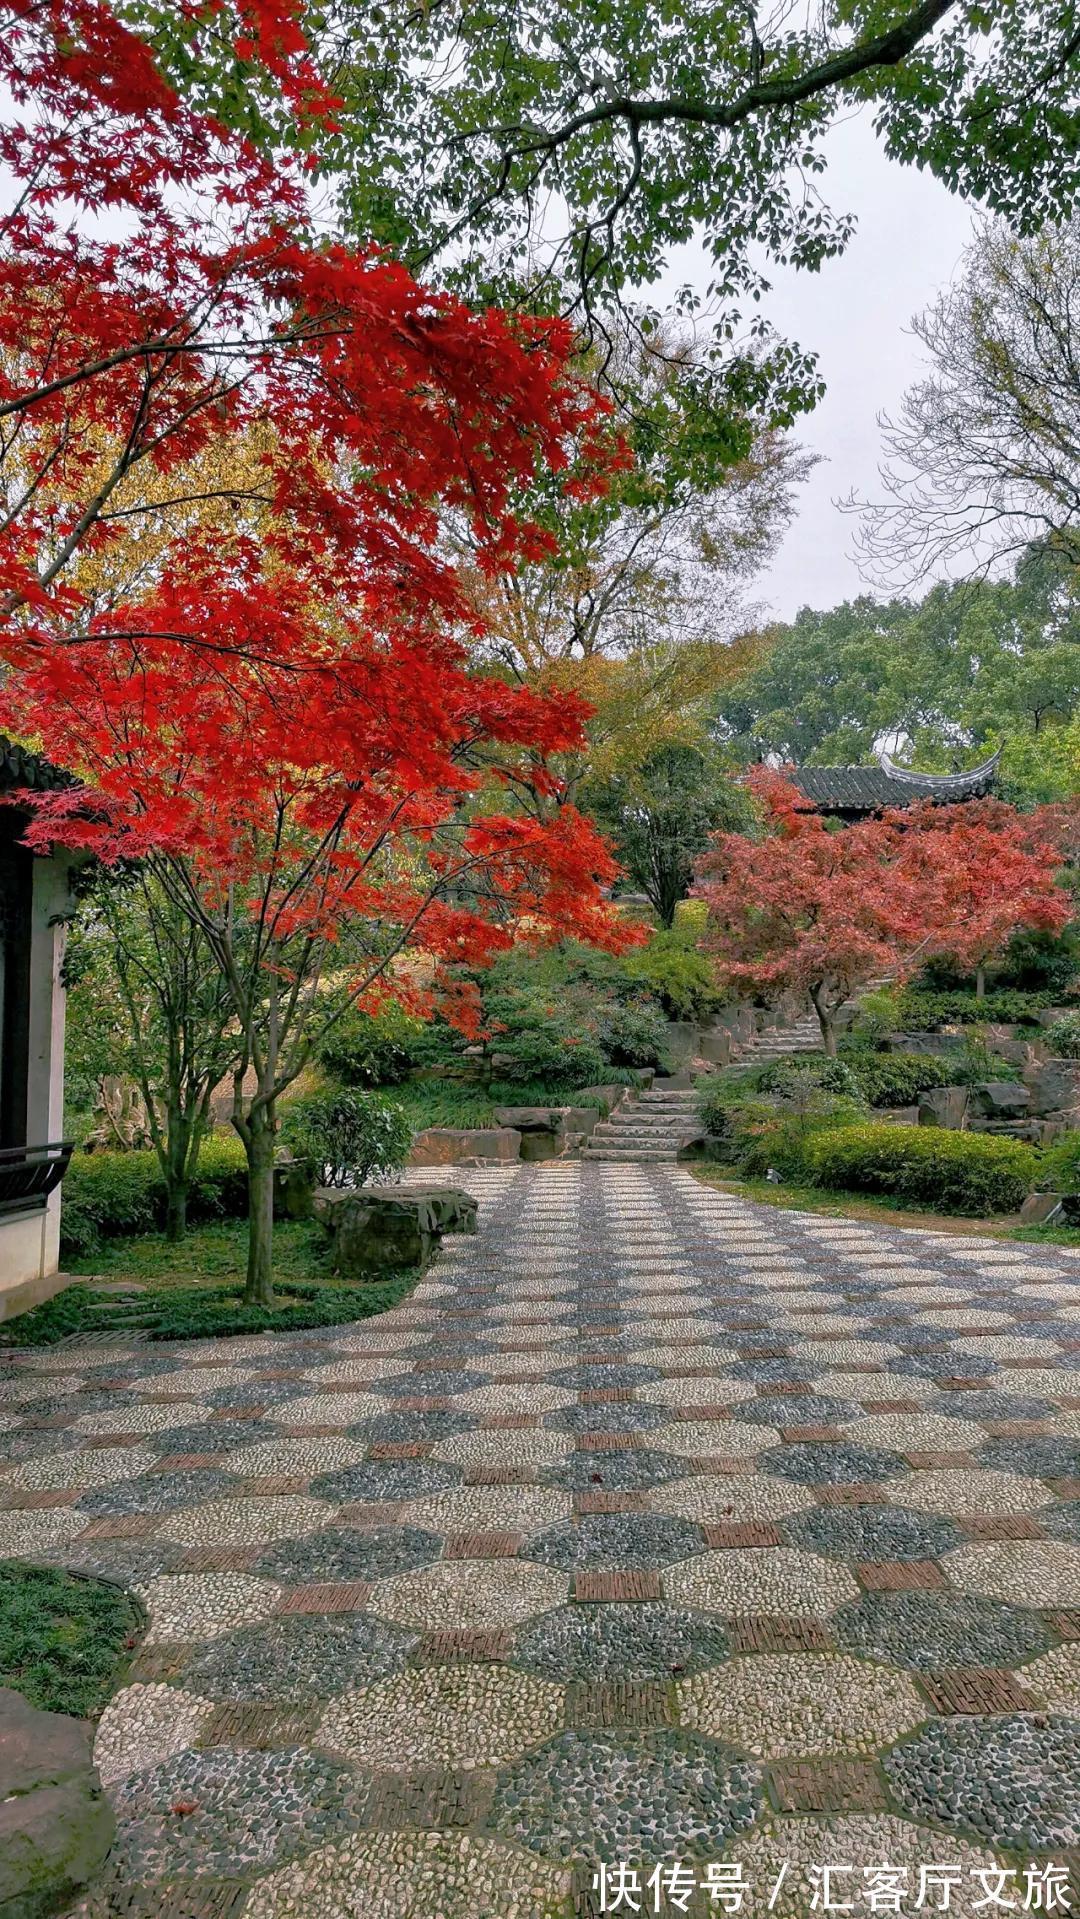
[[64, 1641], [196, 1291]]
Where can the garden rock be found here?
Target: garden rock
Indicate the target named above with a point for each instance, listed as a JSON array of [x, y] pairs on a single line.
[[1054, 1086], [294, 1189], [1039, 1209], [1004, 1099], [944, 1106], [457, 1145], [393, 1229], [56, 1826], [543, 1129]]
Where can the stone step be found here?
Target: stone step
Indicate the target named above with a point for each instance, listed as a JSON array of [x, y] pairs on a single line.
[[643, 1156], [645, 1137]]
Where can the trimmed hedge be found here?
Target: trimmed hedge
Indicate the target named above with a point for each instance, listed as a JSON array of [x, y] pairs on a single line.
[[898, 1079], [926, 1012], [108, 1195], [1060, 1171], [969, 1173]]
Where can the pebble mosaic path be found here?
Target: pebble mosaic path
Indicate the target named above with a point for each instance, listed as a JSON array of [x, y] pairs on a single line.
[[654, 1528]]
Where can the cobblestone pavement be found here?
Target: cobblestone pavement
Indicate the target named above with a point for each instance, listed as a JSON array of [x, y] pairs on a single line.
[[654, 1528]]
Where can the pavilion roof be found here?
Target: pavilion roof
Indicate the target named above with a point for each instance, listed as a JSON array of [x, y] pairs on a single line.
[[866, 789]]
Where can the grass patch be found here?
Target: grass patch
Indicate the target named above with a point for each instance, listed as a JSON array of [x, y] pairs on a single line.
[[194, 1290], [64, 1640], [210, 1255]]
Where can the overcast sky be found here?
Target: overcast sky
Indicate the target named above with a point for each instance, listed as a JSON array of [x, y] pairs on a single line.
[[856, 315]]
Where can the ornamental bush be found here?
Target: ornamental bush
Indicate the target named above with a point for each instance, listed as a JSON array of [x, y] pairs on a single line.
[[1063, 1037], [673, 968], [970, 1173], [898, 1079], [1060, 1170], [372, 1049], [800, 1074], [926, 1012], [348, 1137], [108, 1195], [776, 1137], [633, 1033]]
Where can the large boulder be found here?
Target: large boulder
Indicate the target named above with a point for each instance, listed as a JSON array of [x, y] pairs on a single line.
[[56, 1826], [1054, 1085], [1004, 1099], [459, 1145], [391, 1229], [944, 1106], [716, 1046]]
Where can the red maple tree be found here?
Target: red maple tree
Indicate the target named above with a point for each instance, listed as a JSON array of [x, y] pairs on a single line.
[[271, 702], [821, 910], [992, 870]]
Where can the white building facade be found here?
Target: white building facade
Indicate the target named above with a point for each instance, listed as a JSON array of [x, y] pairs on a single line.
[[34, 902]]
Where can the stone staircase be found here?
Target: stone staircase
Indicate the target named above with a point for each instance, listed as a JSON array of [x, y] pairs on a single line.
[[781, 1041], [648, 1129]]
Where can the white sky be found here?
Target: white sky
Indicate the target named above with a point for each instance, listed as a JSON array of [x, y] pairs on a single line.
[[855, 314]]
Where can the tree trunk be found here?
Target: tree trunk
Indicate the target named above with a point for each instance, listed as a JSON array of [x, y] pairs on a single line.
[[259, 1143], [175, 1169], [980, 982], [827, 1021], [176, 1198]]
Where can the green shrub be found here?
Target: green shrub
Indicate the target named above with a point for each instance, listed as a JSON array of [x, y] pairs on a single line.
[[1041, 962], [372, 1049], [776, 1138], [897, 1079], [877, 1013], [968, 1173], [106, 1194], [975, 1061], [633, 1033], [756, 1131], [348, 1136], [1063, 1037], [673, 968], [801, 1074], [565, 1015], [219, 1188], [926, 1012], [537, 1043], [109, 1195], [1060, 1170]]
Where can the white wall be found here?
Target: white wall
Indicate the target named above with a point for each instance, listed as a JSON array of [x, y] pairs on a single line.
[[30, 1242]]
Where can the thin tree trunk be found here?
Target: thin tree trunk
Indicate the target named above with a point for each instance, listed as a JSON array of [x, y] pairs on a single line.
[[827, 1022], [258, 1137], [175, 1169], [980, 982]]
